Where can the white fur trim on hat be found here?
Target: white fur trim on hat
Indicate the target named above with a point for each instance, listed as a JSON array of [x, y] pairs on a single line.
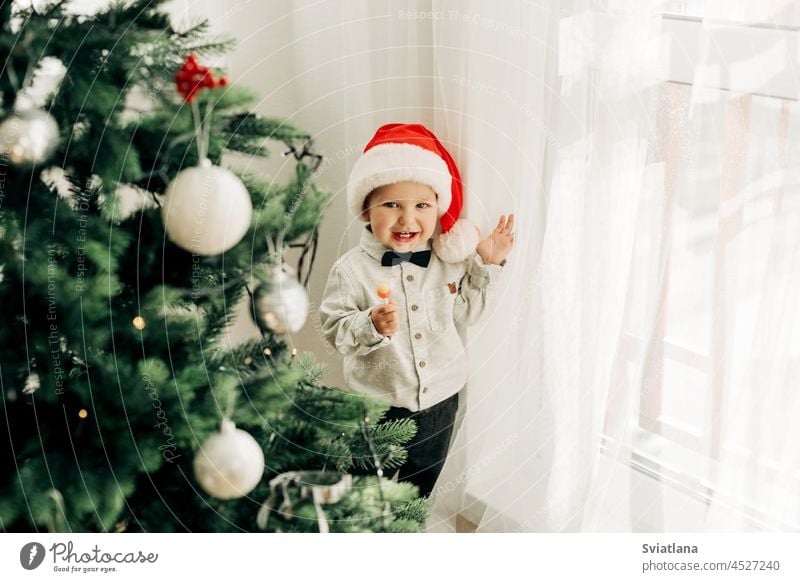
[[458, 243], [389, 163]]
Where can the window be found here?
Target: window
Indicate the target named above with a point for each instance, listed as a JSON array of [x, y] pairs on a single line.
[[721, 138]]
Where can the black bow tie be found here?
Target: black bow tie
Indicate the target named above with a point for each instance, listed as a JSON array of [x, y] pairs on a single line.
[[391, 258]]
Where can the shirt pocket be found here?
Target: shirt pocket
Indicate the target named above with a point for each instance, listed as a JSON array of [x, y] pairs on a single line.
[[439, 303]]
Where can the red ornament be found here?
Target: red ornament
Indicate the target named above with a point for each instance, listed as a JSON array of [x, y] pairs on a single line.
[[192, 77]]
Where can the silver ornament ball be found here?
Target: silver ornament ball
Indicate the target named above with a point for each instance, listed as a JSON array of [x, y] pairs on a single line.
[[28, 137], [280, 304]]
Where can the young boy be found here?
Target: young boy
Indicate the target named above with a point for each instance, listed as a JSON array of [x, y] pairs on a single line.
[[405, 349]]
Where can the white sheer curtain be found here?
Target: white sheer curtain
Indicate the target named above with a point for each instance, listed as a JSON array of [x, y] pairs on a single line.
[[636, 373], [754, 355], [576, 170], [644, 350]]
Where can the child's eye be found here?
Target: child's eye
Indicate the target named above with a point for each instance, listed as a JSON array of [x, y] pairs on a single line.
[[423, 205], [390, 204]]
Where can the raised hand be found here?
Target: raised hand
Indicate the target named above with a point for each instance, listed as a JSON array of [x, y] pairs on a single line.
[[495, 248]]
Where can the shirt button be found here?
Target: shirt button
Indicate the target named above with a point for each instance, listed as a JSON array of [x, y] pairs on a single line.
[[422, 364], [414, 308], [410, 278], [424, 389], [417, 336]]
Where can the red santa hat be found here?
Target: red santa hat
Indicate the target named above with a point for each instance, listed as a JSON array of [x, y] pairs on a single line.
[[407, 152]]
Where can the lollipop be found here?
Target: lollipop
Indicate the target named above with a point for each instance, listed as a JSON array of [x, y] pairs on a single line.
[[384, 291]]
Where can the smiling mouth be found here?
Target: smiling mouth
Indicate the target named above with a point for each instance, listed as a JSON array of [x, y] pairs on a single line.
[[404, 236]]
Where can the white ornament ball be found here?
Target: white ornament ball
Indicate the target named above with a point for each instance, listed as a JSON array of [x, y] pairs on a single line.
[[230, 463], [281, 303], [28, 137], [207, 210]]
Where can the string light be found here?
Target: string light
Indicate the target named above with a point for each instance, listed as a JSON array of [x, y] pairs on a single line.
[[248, 360], [267, 352], [294, 352], [138, 322], [83, 413]]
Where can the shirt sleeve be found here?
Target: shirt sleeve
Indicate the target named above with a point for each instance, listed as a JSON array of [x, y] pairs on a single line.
[[475, 288], [349, 329]]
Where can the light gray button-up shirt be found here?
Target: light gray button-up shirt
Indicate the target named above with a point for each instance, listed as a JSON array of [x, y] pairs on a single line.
[[424, 362]]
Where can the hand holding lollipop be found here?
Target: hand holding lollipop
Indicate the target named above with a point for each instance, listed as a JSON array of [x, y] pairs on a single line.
[[384, 316]]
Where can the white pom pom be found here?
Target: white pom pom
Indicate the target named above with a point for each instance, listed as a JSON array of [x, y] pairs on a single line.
[[458, 243]]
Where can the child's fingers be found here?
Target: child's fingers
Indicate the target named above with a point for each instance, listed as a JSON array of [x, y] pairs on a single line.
[[496, 228], [510, 224], [386, 317]]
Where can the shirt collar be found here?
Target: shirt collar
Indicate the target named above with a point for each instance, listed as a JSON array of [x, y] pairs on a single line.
[[375, 248]]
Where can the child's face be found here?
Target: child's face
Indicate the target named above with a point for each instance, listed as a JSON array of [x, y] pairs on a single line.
[[404, 207]]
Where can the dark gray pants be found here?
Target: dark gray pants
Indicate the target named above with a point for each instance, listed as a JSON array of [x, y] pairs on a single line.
[[428, 449]]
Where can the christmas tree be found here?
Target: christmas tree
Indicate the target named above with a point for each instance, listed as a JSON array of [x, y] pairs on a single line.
[[124, 245]]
